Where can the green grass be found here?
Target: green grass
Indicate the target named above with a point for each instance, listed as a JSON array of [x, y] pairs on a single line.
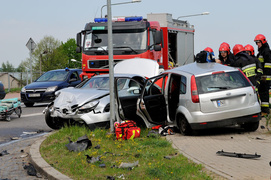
[[12, 90], [149, 151]]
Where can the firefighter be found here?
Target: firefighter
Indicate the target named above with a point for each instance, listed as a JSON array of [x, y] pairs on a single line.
[[231, 56], [204, 57], [210, 54], [264, 56], [249, 49], [246, 63], [224, 55]]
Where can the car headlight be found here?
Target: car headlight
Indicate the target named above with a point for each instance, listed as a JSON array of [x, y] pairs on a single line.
[[51, 89], [89, 106], [23, 90]]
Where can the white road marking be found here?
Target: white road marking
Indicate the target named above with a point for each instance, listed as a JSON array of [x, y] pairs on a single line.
[[36, 114]]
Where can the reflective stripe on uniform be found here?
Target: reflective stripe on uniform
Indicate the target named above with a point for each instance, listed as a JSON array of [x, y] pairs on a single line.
[[267, 65], [259, 70], [264, 104], [268, 78], [249, 70], [261, 59]]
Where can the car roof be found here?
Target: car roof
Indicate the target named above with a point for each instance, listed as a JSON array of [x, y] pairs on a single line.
[[201, 68], [65, 70], [120, 75]]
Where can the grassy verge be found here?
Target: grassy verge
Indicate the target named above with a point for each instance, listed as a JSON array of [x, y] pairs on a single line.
[[149, 151], [12, 90]]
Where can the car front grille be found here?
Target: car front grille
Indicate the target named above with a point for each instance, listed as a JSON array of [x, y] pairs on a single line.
[[103, 64], [35, 90]]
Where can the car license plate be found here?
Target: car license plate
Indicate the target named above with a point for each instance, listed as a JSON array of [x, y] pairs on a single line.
[[220, 103], [34, 95]]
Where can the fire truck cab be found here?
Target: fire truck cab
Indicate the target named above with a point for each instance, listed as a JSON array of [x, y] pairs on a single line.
[[159, 38]]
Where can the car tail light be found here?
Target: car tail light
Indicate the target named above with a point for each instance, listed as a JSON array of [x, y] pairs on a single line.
[[194, 90], [248, 80], [218, 72]]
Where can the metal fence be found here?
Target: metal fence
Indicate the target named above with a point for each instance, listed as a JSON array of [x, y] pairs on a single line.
[[17, 79]]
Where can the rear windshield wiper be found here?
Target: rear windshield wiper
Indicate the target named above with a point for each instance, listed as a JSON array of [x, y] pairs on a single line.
[[126, 47], [220, 87]]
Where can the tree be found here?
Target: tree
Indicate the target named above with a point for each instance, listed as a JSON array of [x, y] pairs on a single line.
[[44, 54], [8, 67], [69, 49]]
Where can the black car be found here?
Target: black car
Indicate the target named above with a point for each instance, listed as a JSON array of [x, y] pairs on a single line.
[[43, 89], [2, 91]]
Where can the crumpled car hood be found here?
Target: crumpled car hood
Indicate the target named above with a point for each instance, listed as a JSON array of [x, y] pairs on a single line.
[[72, 96]]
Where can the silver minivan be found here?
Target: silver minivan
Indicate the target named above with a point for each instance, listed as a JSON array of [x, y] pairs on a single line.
[[197, 96]]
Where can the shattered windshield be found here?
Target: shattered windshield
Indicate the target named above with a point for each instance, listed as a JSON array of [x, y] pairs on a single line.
[[102, 83], [128, 39], [53, 76]]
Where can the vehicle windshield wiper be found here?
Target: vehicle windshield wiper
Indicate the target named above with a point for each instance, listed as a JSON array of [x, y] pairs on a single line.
[[126, 47], [106, 66], [220, 87], [97, 48]]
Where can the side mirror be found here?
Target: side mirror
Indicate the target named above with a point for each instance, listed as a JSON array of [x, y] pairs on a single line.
[[78, 49], [157, 47], [134, 90], [158, 37], [78, 39]]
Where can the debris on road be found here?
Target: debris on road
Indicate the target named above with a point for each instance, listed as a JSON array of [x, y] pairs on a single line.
[[91, 159], [128, 165], [166, 131], [171, 156], [5, 152], [81, 144], [238, 155], [31, 171]]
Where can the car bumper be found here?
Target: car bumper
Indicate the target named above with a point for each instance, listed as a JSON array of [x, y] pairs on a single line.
[[43, 97], [227, 122], [89, 118], [199, 120]]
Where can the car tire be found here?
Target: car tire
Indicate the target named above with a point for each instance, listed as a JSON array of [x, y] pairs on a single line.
[[29, 104], [53, 122], [184, 126], [253, 126]]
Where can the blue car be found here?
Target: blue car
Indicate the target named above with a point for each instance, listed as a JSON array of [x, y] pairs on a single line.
[[2, 91], [43, 89]]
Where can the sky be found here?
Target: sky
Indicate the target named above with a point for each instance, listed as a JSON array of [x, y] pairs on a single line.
[[231, 21]]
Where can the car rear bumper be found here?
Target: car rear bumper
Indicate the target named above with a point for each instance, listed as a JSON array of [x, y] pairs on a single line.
[[227, 122]]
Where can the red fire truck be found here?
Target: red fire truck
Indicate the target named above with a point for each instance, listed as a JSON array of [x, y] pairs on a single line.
[[168, 41]]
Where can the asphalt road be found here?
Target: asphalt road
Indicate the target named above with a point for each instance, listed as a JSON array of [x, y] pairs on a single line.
[[30, 123]]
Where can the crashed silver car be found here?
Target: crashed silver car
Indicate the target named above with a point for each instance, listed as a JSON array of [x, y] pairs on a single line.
[[196, 96], [89, 103]]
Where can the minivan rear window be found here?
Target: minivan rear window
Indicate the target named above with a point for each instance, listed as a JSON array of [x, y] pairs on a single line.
[[221, 81]]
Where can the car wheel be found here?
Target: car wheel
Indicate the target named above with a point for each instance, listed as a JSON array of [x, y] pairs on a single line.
[[29, 104], [53, 122], [183, 126], [251, 126]]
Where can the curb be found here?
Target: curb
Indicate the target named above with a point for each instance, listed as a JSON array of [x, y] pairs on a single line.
[[41, 165]]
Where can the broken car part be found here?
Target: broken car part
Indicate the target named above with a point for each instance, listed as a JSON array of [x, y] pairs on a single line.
[[238, 155], [81, 144]]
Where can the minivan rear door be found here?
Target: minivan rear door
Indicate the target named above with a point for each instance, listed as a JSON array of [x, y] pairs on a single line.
[[221, 91]]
